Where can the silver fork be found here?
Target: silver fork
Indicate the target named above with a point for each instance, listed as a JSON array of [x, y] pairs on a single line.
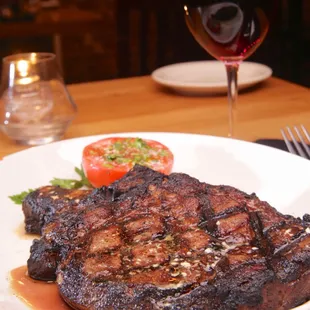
[[297, 140]]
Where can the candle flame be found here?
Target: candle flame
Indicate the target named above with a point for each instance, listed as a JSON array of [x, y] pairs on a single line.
[[23, 67]]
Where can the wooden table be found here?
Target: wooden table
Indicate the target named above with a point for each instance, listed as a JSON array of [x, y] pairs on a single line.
[[137, 104]]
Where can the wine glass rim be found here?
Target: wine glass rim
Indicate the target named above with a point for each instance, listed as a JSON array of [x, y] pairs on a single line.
[[33, 57]]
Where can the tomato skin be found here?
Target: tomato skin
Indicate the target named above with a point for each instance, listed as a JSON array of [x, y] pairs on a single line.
[[101, 171]]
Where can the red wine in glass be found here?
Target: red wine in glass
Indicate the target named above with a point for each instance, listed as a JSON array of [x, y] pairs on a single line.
[[230, 31]]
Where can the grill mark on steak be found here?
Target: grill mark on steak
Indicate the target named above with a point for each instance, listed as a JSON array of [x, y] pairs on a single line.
[[40, 206], [44, 202], [64, 226], [176, 243]]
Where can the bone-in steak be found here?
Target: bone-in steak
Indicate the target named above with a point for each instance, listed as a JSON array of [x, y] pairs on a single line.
[[172, 242]]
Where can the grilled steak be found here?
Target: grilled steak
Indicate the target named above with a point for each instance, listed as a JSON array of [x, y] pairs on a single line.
[[41, 205], [63, 223], [172, 242], [44, 202]]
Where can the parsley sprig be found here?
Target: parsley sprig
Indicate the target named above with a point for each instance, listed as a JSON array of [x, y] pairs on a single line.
[[71, 183], [19, 198], [63, 183]]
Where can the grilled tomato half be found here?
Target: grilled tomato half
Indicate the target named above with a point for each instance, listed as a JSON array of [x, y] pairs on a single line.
[[109, 159]]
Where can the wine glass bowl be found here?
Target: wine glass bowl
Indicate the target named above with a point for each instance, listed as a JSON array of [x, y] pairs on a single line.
[[226, 30], [35, 105], [230, 31]]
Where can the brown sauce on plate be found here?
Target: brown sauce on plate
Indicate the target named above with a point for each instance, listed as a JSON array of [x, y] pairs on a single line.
[[20, 232], [38, 295]]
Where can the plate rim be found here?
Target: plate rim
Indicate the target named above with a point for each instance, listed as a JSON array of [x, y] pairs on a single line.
[[164, 133]]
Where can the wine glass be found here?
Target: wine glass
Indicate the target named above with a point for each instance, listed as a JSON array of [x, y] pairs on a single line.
[[230, 31], [35, 105]]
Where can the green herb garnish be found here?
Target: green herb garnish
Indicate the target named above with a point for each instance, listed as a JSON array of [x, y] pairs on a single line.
[[118, 145], [81, 173], [72, 183], [63, 183], [122, 152], [19, 198], [140, 144], [66, 183], [163, 153], [121, 160], [111, 157], [108, 165]]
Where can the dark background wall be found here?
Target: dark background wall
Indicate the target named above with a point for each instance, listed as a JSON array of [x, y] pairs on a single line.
[[135, 37]]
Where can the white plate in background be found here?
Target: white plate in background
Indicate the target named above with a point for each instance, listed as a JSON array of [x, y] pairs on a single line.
[[207, 77]]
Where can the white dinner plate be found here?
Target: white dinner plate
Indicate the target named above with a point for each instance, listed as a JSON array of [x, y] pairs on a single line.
[[276, 176], [207, 77]]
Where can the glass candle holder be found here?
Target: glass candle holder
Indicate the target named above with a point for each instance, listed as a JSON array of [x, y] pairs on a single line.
[[35, 105]]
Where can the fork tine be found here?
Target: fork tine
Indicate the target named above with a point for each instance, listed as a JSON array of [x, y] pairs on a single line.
[[301, 138], [296, 144], [288, 143], [305, 132]]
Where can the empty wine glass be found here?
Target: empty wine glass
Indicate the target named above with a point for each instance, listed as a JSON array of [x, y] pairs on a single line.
[[35, 106], [230, 31]]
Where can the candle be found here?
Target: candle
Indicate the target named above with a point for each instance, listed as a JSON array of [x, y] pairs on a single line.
[[35, 106], [29, 99]]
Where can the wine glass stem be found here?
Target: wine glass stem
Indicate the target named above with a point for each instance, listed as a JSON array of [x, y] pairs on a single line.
[[232, 78]]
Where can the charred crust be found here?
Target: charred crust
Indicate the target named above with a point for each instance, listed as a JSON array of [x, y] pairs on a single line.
[[151, 241], [306, 218]]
